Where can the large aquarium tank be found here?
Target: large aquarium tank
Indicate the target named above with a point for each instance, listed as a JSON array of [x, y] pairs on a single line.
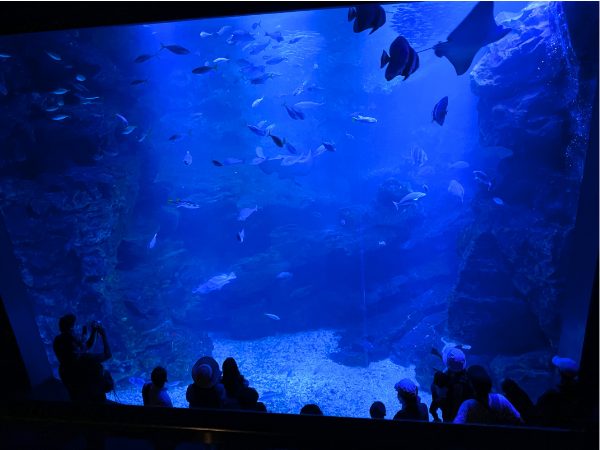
[[331, 196]]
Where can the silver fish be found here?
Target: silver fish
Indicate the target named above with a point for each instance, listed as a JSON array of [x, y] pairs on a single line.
[[61, 117], [54, 56], [246, 212], [272, 316], [60, 91], [455, 188], [152, 242], [215, 283]]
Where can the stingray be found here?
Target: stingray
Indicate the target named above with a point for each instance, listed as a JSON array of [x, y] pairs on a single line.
[[476, 30]]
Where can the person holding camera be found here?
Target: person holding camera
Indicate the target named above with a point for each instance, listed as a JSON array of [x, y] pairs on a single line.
[[80, 369]]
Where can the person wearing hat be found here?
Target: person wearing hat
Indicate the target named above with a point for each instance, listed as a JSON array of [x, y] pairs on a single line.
[[412, 408], [206, 391], [486, 408], [451, 387], [560, 406]]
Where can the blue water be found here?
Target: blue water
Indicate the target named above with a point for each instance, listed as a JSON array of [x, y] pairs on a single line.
[[136, 224]]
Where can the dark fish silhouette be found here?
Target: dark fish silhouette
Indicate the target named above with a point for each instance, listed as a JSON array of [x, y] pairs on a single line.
[[203, 69], [476, 30], [294, 113], [366, 16], [177, 49], [142, 58], [440, 110], [402, 60], [136, 82], [277, 140], [217, 163], [275, 35]]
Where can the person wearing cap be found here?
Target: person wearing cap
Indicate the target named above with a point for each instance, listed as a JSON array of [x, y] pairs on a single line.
[[486, 408], [206, 391], [451, 387], [412, 408], [155, 393], [560, 406]]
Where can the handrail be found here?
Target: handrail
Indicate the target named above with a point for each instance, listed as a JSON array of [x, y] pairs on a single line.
[[281, 430]]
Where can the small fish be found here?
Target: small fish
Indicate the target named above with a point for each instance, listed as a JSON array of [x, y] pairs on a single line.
[[254, 48], [276, 35], [295, 39], [256, 102], [483, 178], [350, 136], [187, 159], [52, 108], [498, 201], [365, 119], [217, 163], [284, 275], [215, 283], [240, 236], [329, 146], [136, 82], [54, 56], [204, 34], [257, 130], [220, 60], [290, 148], [256, 25], [440, 110], [409, 198], [137, 381], [456, 189], [184, 204], [239, 36], [307, 105], [315, 66], [418, 155], [142, 58], [275, 60], [61, 117], [403, 59], [175, 138], [80, 77], [458, 165], [129, 129], [277, 140], [203, 69], [365, 17], [262, 78], [272, 316], [60, 91], [246, 212], [177, 49], [381, 243], [152, 242], [224, 30], [125, 121], [5, 56], [294, 113], [232, 161]]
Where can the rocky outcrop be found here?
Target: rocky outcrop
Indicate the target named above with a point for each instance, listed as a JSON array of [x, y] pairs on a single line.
[[532, 101]]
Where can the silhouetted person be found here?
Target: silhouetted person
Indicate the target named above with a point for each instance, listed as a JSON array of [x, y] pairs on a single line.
[[233, 381], [451, 387], [248, 399], [377, 410], [486, 407], [206, 391], [412, 408], [311, 409], [155, 393], [561, 406], [520, 400], [81, 370]]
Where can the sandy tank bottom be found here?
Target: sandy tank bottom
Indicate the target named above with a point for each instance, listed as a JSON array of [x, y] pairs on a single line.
[[291, 370]]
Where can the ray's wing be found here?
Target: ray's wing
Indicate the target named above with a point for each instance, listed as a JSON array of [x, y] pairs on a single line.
[[476, 30]]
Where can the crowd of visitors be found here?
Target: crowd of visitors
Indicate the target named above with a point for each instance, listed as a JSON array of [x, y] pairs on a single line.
[[462, 394]]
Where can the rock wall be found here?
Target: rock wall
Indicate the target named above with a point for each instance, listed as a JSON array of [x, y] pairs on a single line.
[[532, 101]]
